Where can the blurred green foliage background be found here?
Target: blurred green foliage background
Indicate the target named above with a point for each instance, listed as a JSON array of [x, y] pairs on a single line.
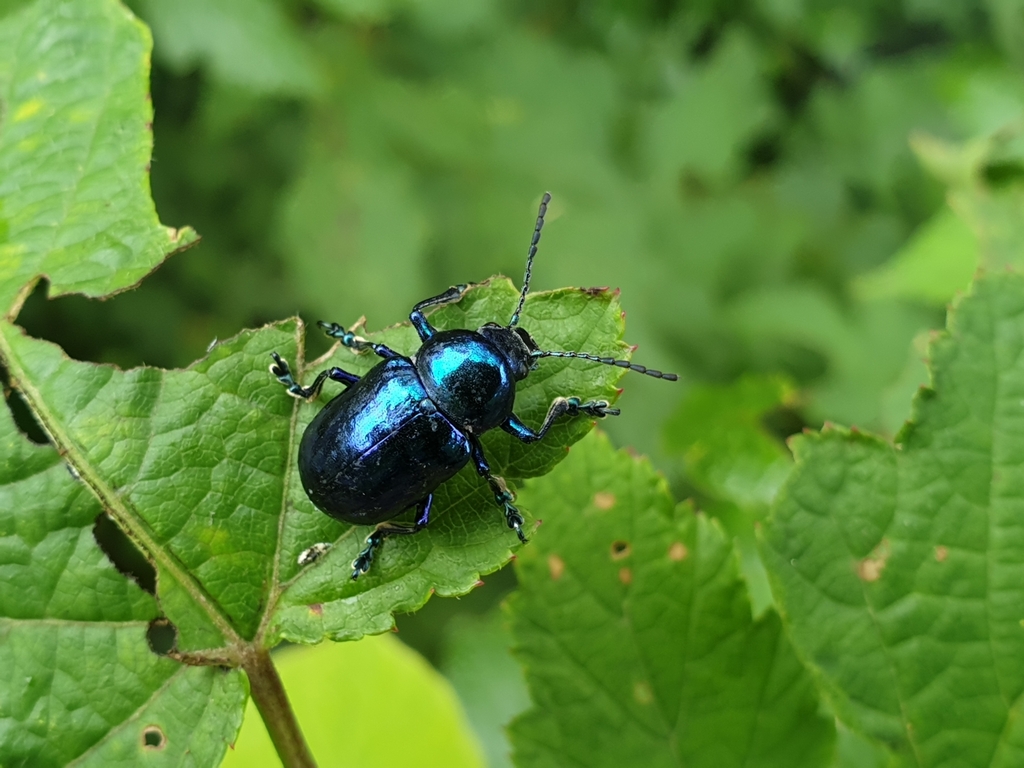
[[760, 177]]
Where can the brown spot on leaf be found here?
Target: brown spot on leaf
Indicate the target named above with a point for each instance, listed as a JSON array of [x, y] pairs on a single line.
[[604, 500], [621, 550], [941, 553], [557, 567], [642, 692], [626, 576], [871, 567], [677, 551], [317, 609]]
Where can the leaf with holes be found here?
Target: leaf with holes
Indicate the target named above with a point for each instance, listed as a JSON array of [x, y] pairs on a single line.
[[900, 568], [197, 466], [72, 630], [635, 631]]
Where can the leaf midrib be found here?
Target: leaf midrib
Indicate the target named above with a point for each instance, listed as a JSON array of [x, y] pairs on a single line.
[[123, 513]]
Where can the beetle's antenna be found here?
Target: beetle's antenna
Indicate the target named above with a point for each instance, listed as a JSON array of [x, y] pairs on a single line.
[[610, 361], [529, 258]]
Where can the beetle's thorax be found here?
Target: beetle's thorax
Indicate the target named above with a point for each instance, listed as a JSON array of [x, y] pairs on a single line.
[[469, 379]]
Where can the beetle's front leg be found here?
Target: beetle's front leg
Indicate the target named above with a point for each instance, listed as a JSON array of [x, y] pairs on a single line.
[[419, 320], [358, 343], [562, 406], [283, 373], [364, 559], [502, 495]]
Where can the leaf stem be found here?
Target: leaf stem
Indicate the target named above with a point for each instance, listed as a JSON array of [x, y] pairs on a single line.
[[272, 702]]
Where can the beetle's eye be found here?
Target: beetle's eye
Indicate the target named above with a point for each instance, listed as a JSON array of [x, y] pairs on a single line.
[[527, 339], [492, 325]]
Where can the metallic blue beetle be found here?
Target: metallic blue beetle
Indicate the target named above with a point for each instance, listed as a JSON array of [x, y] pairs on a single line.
[[393, 436]]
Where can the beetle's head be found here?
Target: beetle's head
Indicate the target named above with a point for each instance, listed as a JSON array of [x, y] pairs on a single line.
[[515, 344], [520, 348]]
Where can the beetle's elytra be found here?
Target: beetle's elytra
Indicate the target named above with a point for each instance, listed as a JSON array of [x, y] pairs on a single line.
[[391, 437]]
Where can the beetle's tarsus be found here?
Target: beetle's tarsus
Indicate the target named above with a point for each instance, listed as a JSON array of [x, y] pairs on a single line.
[[598, 408], [515, 521], [364, 559], [283, 373]]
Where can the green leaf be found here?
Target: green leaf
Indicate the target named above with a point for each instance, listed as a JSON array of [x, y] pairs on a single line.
[[635, 632], [939, 260], [74, 152], [478, 662], [250, 43], [991, 206], [866, 345], [375, 702], [726, 449], [728, 456], [72, 630], [716, 109], [898, 567]]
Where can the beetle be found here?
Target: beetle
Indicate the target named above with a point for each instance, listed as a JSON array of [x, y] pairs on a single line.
[[391, 437]]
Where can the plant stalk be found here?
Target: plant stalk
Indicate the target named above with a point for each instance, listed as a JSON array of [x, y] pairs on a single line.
[[272, 702]]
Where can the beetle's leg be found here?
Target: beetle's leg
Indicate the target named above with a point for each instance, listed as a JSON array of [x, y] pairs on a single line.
[[283, 373], [358, 343], [502, 495], [363, 560], [562, 406], [419, 320]]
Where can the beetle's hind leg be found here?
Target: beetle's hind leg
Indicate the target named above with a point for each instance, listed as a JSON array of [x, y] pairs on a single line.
[[365, 558], [502, 495], [283, 373]]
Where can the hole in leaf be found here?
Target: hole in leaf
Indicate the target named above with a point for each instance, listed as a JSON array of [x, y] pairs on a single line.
[[24, 420], [620, 550], [20, 412], [153, 738], [162, 636], [123, 553]]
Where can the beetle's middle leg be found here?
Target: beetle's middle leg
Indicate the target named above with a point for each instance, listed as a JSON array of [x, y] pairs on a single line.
[[283, 373], [363, 560], [502, 495], [562, 406]]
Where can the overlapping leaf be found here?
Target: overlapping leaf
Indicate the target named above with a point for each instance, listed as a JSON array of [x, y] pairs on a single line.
[[636, 635], [195, 465], [74, 151], [900, 568], [732, 462]]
